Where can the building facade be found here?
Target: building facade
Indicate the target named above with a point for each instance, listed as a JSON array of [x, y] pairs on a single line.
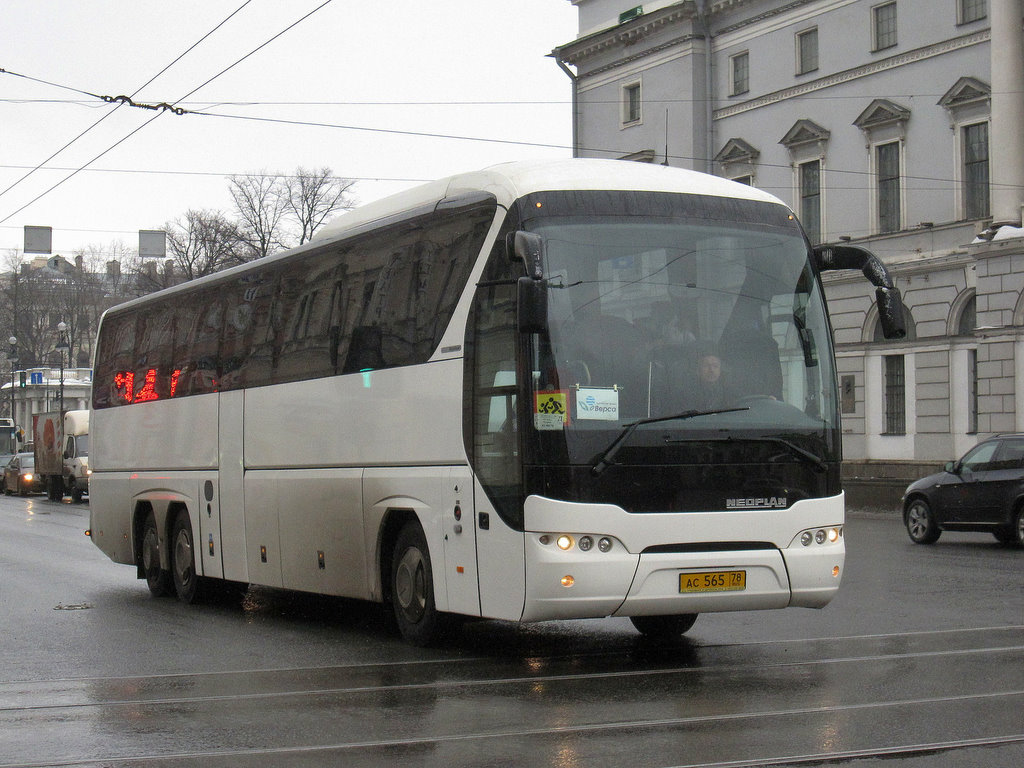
[[884, 123]]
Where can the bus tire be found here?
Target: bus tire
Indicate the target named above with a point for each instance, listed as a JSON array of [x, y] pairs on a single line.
[[664, 627], [412, 588], [157, 579], [187, 583]]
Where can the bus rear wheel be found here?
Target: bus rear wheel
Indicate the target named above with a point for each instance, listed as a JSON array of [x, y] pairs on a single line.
[[412, 588], [157, 579], [664, 627], [187, 582]]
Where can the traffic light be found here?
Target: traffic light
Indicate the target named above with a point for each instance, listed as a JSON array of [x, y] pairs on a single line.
[[21, 378]]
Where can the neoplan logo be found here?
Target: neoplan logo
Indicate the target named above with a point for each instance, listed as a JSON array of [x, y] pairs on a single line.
[[769, 502]]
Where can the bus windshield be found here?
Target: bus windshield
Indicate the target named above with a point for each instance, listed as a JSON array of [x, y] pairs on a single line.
[[690, 326]]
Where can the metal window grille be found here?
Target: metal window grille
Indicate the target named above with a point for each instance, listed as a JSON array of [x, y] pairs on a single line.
[[972, 391], [632, 103], [976, 171], [888, 158], [895, 396], [810, 199]]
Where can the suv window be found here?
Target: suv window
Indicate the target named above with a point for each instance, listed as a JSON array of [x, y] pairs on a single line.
[[979, 457]]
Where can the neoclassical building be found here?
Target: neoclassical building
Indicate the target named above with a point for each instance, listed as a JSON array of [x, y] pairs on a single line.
[[890, 124]]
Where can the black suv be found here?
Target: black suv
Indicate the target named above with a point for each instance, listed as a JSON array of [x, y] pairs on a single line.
[[983, 491]]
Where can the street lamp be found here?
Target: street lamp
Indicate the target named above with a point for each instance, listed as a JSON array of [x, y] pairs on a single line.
[[12, 358], [62, 344]]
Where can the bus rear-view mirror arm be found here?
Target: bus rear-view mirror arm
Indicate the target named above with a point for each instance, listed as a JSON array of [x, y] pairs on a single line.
[[890, 303]]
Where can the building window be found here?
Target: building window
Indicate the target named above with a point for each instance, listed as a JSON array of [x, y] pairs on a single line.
[[972, 10], [631, 104], [976, 199], [740, 65], [807, 51], [895, 396], [883, 19], [810, 199], [748, 180], [972, 391], [887, 159]]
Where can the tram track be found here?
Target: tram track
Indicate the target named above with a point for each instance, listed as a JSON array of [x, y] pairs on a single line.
[[804, 695]]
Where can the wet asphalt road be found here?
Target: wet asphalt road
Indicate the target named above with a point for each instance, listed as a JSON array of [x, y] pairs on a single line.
[[918, 663]]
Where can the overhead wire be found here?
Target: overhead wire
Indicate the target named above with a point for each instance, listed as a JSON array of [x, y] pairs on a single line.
[[111, 112], [161, 112]]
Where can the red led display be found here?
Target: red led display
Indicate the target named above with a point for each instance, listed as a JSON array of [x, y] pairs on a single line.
[[125, 392]]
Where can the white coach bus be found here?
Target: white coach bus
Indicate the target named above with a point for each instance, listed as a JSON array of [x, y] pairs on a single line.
[[493, 396]]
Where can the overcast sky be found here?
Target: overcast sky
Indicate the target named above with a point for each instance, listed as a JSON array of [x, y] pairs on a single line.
[[456, 68]]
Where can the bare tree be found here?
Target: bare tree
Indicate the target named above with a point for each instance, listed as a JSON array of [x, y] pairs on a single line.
[[201, 243], [314, 196], [260, 204]]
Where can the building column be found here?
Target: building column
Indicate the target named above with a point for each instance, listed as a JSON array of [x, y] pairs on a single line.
[[1007, 141]]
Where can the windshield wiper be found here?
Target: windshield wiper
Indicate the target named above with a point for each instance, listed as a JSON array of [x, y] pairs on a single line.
[[801, 453], [605, 459]]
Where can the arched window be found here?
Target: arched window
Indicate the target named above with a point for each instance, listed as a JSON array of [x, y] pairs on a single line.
[[968, 319]]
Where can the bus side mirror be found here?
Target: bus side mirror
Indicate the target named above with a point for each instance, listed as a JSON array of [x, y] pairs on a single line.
[[532, 305], [890, 303], [529, 248]]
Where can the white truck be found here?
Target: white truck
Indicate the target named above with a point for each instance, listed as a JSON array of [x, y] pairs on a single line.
[[62, 453]]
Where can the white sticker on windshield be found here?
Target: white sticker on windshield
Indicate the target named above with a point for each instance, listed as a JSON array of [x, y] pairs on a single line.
[[594, 403]]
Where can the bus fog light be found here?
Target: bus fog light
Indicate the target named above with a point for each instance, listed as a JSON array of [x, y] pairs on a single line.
[[564, 542], [820, 537], [806, 538], [833, 534], [568, 581], [604, 544], [586, 542]]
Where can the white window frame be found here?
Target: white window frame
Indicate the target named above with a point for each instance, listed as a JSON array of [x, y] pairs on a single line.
[[733, 89], [959, 158], [801, 68], [880, 136], [875, 10], [629, 88], [962, 15]]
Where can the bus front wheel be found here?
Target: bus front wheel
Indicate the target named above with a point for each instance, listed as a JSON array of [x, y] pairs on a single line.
[[187, 583], [412, 588], [664, 627]]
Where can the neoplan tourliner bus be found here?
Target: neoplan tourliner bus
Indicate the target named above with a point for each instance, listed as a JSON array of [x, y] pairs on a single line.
[[487, 397]]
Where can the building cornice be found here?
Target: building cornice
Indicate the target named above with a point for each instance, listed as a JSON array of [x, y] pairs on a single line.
[[626, 34], [890, 62]]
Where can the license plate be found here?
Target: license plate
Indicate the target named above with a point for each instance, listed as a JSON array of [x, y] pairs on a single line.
[[713, 581]]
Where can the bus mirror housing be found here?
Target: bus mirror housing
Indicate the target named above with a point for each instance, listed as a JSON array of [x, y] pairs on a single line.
[[529, 248], [532, 305], [890, 303]]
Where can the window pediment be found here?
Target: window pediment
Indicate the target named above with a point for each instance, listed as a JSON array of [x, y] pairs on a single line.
[[804, 132], [966, 90], [881, 112], [737, 151]]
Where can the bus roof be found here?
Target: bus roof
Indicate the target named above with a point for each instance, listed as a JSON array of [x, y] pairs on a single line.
[[509, 181]]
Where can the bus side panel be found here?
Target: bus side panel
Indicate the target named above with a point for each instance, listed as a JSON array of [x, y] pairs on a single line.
[[262, 532], [159, 435], [429, 493], [110, 515], [319, 519], [230, 493], [397, 416]]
